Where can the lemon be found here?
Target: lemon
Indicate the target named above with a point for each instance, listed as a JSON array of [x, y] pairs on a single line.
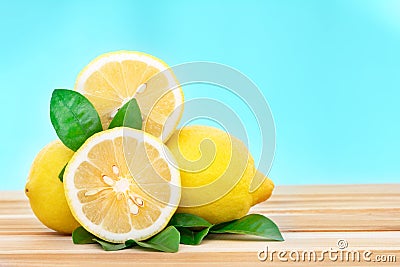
[[217, 172], [112, 79], [122, 184], [46, 192]]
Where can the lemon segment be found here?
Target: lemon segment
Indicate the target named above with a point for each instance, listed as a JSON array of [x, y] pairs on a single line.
[[122, 184], [112, 79]]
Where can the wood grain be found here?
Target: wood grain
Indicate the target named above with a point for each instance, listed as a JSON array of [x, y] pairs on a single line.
[[312, 217]]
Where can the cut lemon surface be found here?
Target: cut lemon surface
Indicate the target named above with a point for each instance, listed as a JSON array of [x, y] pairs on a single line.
[[122, 184], [112, 79]]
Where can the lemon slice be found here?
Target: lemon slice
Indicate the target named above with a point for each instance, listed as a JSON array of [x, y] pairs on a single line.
[[112, 79], [122, 184]]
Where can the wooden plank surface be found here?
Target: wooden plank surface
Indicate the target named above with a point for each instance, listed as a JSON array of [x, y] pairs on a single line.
[[312, 218]]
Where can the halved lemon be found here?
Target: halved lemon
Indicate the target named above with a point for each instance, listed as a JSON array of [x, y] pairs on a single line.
[[112, 79], [122, 184]]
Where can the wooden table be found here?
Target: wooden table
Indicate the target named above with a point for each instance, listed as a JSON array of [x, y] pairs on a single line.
[[312, 218]]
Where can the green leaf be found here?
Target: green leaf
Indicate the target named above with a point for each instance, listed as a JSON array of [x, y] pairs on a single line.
[[61, 174], [253, 224], [167, 240], [81, 236], [108, 246], [129, 115], [188, 220], [187, 232], [73, 117], [194, 229], [189, 237]]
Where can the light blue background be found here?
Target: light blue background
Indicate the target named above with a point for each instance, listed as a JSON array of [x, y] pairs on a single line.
[[329, 69]]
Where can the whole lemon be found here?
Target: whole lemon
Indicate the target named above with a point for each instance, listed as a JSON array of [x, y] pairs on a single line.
[[45, 190], [217, 174]]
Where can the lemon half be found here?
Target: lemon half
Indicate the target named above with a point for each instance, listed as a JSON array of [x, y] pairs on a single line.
[[112, 79], [122, 184]]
